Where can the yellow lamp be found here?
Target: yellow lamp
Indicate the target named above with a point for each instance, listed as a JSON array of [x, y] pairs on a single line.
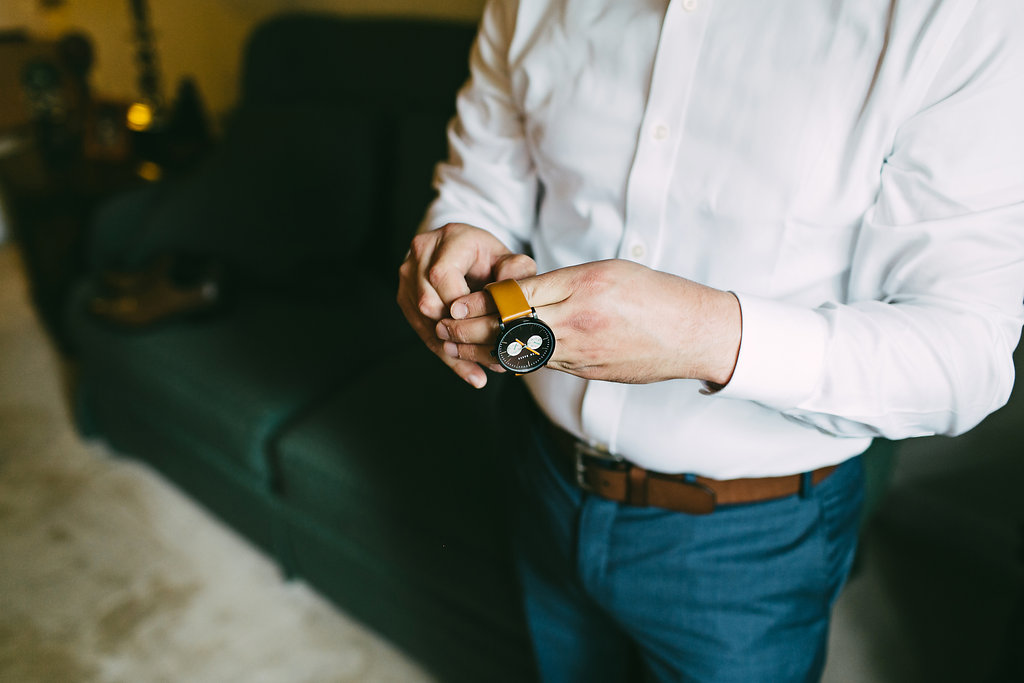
[[140, 116]]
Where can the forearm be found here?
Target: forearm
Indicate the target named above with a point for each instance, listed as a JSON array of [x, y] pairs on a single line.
[[488, 180]]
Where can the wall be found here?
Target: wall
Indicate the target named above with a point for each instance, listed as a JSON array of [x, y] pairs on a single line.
[[200, 38]]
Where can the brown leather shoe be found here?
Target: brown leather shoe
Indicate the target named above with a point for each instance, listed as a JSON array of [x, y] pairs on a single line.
[[164, 291]]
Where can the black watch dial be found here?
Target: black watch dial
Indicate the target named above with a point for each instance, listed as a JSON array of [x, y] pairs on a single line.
[[525, 345]]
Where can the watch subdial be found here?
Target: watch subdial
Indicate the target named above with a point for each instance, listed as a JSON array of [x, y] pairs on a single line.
[[514, 349], [534, 342]]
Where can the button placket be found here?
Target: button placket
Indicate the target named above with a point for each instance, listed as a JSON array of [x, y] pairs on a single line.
[[675, 63]]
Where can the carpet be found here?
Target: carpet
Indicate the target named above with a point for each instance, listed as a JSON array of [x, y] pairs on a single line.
[[108, 574]]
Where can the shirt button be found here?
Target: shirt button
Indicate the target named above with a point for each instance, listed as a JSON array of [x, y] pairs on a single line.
[[661, 132], [689, 5], [638, 251]]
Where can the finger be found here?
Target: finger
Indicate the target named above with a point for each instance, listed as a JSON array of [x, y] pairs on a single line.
[[428, 303], [514, 267], [473, 305], [448, 270], [478, 330], [468, 371], [540, 290], [477, 353], [414, 287]]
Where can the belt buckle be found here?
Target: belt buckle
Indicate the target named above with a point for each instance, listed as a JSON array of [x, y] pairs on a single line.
[[582, 450]]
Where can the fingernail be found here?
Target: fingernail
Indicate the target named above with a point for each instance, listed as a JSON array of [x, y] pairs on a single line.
[[451, 349], [478, 381], [459, 311], [442, 332]]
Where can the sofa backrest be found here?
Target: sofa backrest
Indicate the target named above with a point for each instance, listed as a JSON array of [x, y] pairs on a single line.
[[394, 80], [327, 158]]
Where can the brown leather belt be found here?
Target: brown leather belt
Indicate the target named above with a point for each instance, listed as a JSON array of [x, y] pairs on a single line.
[[613, 478]]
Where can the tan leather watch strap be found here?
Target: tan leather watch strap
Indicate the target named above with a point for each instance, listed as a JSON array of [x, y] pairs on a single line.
[[510, 300]]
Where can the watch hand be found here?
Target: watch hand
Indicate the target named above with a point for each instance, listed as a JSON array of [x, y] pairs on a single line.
[[528, 348]]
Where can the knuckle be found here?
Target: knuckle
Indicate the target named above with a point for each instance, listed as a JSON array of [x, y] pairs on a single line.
[[421, 245], [518, 266], [602, 277], [469, 352], [594, 281], [452, 229], [405, 280], [425, 302], [587, 322], [458, 334], [436, 274]]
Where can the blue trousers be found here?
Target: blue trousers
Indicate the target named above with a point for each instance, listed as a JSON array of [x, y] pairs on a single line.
[[620, 593]]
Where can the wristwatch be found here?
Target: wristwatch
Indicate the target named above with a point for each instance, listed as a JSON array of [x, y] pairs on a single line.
[[525, 342]]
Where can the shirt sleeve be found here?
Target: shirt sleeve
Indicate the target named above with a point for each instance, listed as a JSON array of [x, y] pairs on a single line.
[[489, 179], [924, 342]]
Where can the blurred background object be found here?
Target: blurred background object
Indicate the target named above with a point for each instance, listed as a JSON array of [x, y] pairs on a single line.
[[65, 146]]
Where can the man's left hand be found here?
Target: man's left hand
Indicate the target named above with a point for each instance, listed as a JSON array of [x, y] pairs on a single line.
[[613, 320]]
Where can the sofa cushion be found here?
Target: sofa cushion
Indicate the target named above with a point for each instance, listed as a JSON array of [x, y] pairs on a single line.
[[232, 381], [408, 437], [403, 461], [482, 637], [236, 496]]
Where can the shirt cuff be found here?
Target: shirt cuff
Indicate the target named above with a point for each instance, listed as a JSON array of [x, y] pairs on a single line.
[[782, 354]]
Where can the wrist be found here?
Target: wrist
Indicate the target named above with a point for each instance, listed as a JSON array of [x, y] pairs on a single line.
[[723, 333]]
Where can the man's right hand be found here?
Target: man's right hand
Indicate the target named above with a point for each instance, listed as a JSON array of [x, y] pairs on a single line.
[[446, 264]]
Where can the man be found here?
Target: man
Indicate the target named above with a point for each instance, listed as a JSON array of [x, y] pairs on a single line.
[[765, 233]]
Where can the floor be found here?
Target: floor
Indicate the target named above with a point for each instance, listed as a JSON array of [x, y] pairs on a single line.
[[939, 582], [110, 575]]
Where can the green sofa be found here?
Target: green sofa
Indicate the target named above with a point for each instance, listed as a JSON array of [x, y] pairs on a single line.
[[304, 412]]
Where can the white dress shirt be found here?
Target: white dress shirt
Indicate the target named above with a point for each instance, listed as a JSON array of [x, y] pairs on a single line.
[[852, 169]]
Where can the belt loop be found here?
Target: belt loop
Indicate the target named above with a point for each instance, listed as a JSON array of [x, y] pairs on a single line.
[[806, 484], [636, 478]]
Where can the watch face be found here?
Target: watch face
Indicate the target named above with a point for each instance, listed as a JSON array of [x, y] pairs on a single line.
[[525, 345]]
